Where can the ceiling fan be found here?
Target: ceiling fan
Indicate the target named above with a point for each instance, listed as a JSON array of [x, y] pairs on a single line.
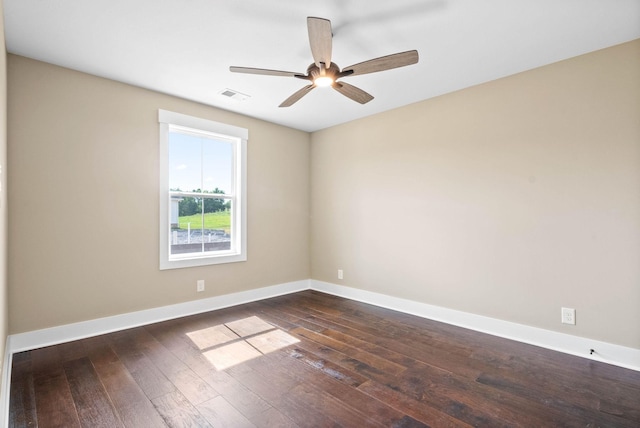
[[323, 72]]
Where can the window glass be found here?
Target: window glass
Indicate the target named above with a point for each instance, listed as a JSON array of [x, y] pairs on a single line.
[[203, 193]]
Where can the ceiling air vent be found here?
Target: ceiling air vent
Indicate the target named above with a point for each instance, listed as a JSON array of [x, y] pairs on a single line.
[[234, 95]]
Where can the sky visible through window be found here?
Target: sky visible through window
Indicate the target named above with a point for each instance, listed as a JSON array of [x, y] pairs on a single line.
[[198, 162]]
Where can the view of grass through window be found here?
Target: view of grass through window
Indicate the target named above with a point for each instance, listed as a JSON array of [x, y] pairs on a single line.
[[201, 185], [217, 220]]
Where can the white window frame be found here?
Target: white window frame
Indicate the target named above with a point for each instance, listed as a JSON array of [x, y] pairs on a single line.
[[239, 136]]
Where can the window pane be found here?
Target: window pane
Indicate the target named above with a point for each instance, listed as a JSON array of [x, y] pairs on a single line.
[[187, 236], [217, 225], [217, 162], [198, 233], [185, 162], [203, 172]]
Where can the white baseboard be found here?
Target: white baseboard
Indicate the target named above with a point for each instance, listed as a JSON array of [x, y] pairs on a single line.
[[569, 344], [6, 385], [604, 352], [65, 333]]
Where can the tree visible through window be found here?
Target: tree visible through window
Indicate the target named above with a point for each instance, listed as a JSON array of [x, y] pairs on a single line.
[[204, 201]]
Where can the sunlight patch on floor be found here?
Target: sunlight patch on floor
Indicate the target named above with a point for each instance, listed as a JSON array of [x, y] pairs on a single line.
[[232, 343], [248, 326], [232, 354], [272, 341], [212, 336]]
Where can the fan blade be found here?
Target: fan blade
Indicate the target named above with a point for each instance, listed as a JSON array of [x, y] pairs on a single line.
[[320, 40], [350, 91], [263, 71], [383, 63], [296, 96]]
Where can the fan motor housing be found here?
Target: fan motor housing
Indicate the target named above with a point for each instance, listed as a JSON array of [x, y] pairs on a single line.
[[313, 71]]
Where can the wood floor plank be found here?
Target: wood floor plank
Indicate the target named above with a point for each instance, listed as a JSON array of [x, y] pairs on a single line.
[[277, 392], [328, 368], [283, 319], [71, 350], [626, 414], [409, 422], [192, 386], [133, 406], [313, 399], [178, 412], [372, 359], [413, 345], [21, 357], [220, 413], [569, 408], [343, 360], [385, 344], [177, 341], [467, 401], [542, 377], [45, 360], [240, 397], [310, 359], [421, 412], [89, 396], [322, 401], [372, 412], [54, 401], [608, 372], [22, 404], [222, 383], [272, 417], [388, 324], [617, 415], [396, 323], [150, 379], [561, 381]]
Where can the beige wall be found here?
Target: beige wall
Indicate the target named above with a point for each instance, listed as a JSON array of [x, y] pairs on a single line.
[[4, 316], [509, 199], [84, 200]]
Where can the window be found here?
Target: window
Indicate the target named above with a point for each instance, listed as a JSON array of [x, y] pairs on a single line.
[[202, 191]]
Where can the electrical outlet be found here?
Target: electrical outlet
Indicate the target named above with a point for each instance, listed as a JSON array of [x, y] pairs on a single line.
[[200, 285], [340, 274], [568, 316]]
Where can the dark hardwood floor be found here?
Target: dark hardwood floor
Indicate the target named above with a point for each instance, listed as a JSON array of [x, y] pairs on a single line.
[[314, 360]]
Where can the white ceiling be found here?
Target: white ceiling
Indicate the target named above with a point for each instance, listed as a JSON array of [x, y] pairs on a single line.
[[185, 47]]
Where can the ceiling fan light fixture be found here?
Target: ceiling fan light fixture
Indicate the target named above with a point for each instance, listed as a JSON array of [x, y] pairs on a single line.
[[323, 81], [322, 72]]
